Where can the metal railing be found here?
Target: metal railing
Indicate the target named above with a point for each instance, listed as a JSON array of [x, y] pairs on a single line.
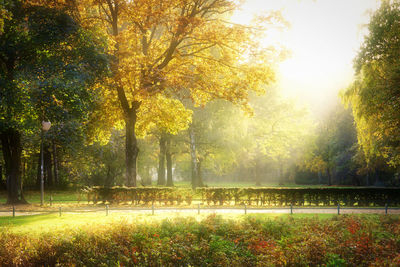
[[245, 209]]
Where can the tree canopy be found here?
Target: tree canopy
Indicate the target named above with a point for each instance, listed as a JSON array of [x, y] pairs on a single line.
[[374, 96], [48, 64]]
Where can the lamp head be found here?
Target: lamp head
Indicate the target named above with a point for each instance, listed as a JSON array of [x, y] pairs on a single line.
[[46, 125]]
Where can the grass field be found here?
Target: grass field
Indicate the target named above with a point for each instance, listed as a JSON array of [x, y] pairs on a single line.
[[53, 222], [67, 196]]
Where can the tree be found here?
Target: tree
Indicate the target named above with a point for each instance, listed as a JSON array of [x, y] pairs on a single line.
[[186, 48], [374, 95], [163, 117], [331, 150], [274, 133], [47, 64]]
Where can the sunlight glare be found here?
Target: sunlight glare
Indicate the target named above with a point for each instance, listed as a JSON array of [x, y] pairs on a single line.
[[323, 39]]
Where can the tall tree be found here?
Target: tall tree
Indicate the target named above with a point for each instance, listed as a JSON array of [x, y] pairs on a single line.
[[374, 96], [275, 132], [42, 51], [187, 48], [331, 150], [163, 117]]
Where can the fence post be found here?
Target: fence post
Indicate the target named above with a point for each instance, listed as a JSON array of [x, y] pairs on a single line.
[[291, 208], [198, 208], [338, 209], [245, 209], [13, 211], [386, 208], [152, 209], [59, 211], [106, 210], [51, 200]]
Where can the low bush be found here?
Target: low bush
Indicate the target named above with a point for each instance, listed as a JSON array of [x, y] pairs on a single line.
[[339, 241], [260, 196]]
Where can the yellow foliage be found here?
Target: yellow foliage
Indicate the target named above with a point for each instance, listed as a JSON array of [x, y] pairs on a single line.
[[180, 48]]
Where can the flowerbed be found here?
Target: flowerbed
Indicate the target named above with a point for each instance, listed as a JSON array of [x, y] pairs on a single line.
[[339, 241]]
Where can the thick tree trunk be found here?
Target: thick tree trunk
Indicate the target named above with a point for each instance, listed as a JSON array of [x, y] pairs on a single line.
[[11, 146], [193, 157], [55, 164], [131, 147], [168, 157], [130, 112], [161, 161]]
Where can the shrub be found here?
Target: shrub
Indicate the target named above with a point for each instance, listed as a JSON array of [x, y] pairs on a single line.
[[250, 196]]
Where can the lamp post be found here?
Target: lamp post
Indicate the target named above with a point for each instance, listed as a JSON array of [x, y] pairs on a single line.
[[45, 127]]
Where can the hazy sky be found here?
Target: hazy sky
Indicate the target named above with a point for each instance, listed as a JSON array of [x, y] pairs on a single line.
[[323, 38]]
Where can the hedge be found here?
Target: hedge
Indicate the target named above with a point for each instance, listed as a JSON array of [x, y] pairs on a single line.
[[261, 196]]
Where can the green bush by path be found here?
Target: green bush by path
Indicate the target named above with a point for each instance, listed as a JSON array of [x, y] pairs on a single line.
[[214, 241], [260, 196]]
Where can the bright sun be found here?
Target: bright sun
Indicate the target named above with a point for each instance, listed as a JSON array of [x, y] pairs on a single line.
[[323, 38]]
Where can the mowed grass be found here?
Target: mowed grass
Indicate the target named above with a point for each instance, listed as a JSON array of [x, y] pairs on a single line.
[[38, 224], [58, 196]]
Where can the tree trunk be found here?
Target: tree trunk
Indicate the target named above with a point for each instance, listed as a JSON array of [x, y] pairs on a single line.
[[109, 181], [193, 157], [161, 161], [131, 147], [130, 112], [11, 146], [2, 183], [55, 164], [257, 174], [319, 177], [168, 157], [146, 177], [329, 176], [199, 175], [281, 181]]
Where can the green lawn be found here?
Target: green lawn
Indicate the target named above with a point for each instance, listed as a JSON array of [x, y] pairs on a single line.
[[34, 196], [53, 222]]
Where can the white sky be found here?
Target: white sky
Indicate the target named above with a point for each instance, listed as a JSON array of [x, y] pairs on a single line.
[[323, 38]]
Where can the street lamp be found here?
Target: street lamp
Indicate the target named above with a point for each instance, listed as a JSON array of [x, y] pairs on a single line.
[[45, 127]]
